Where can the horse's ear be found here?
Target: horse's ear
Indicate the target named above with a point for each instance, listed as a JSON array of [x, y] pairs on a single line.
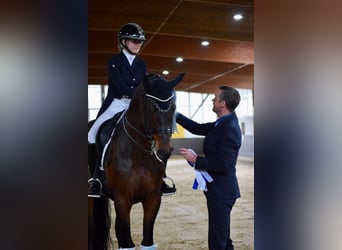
[[177, 80]]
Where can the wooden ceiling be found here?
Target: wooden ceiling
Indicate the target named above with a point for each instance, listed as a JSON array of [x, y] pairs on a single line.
[[176, 28]]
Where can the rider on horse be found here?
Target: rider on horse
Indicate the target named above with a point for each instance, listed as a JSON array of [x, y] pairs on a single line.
[[125, 72]]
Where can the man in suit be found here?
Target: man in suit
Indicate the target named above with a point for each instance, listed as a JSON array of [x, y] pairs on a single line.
[[125, 72], [221, 147]]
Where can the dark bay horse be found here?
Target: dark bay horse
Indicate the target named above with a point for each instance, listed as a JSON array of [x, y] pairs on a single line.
[[134, 165]]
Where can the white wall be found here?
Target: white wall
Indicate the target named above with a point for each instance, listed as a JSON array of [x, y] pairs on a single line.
[[197, 106]]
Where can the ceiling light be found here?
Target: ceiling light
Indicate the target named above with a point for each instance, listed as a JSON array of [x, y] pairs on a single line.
[[165, 72], [205, 43], [179, 59], [237, 17]]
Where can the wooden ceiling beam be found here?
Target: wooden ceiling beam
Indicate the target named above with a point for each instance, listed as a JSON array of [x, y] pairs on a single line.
[[176, 28], [170, 46]]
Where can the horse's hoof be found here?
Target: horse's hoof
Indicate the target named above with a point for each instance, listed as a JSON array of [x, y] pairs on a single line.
[[153, 247]]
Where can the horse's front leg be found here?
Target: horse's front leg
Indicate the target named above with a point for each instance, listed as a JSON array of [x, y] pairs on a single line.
[[151, 207], [122, 224]]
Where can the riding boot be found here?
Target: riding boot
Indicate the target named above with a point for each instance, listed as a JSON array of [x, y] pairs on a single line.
[[95, 183], [166, 189]]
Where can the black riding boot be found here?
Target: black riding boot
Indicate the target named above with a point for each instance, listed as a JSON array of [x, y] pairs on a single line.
[[95, 183]]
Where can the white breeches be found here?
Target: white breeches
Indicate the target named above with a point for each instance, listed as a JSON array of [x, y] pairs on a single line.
[[116, 106]]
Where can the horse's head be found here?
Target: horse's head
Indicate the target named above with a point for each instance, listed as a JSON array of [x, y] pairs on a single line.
[[159, 110], [160, 93], [161, 90]]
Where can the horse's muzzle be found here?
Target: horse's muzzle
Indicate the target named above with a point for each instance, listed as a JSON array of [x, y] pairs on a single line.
[[164, 156]]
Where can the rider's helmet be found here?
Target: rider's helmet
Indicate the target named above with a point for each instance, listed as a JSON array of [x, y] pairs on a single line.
[[131, 31]]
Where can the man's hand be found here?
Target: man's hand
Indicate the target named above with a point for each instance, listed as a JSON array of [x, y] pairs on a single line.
[[189, 155]]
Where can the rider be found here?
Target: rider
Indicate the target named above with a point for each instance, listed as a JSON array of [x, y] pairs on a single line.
[[125, 72]]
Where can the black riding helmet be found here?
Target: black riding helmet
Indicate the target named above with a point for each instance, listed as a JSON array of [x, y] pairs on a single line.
[[130, 31]]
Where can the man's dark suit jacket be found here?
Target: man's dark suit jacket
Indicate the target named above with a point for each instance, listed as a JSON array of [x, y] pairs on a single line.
[[221, 147], [123, 78]]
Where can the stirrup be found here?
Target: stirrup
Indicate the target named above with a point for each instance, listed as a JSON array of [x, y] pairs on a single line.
[[169, 178], [95, 194], [172, 190], [95, 179]]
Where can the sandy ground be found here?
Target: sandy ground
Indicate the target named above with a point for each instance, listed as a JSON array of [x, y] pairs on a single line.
[[182, 219]]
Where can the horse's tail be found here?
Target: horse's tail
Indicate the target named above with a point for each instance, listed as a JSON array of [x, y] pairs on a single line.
[[99, 224]]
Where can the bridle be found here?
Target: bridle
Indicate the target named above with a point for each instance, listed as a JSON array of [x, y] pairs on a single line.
[[148, 131]]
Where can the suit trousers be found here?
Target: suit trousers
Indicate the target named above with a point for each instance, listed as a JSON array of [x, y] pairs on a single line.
[[219, 223]]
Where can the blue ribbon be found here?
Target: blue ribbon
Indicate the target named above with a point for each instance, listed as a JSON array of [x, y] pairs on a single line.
[[201, 180]]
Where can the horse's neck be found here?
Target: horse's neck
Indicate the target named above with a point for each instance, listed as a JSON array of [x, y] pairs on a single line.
[[135, 117], [135, 108]]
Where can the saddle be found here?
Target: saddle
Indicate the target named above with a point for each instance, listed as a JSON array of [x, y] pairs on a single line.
[[107, 130]]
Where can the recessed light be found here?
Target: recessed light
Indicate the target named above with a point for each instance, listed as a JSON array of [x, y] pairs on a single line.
[[179, 59], [165, 72], [205, 43], [237, 17]]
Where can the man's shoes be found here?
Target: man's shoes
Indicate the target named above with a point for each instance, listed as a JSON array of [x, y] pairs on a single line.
[[167, 190], [94, 188]]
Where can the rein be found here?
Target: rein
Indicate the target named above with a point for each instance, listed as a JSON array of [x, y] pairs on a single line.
[[153, 149], [149, 132]]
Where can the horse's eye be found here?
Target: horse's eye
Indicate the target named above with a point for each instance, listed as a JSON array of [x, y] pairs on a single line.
[[152, 107]]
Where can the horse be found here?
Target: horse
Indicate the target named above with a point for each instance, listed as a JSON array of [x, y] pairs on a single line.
[[134, 165]]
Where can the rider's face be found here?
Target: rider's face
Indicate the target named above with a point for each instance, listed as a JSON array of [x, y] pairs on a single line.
[[134, 45]]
